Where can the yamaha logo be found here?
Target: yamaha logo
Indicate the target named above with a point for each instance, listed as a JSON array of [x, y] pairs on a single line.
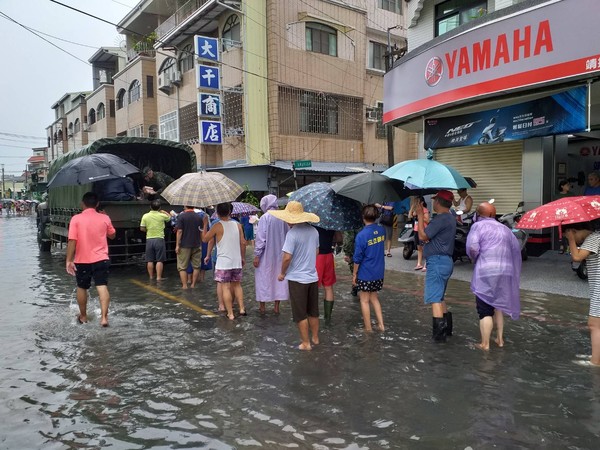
[[434, 71]]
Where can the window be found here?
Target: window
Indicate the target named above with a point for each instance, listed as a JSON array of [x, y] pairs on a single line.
[[121, 98], [149, 86], [136, 131], [391, 5], [381, 129], [100, 112], [321, 39], [186, 60], [77, 126], [168, 126], [92, 116], [153, 131], [168, 67], [71, 129], [453, 13], [377, 53], [135, 90], [233, 112], [231, 32], [307, 112]]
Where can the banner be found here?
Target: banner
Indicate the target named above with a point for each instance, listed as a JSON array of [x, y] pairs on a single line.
[[562, 113]]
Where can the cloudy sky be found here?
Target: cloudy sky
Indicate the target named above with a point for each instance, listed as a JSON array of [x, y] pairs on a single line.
[[36, 74]]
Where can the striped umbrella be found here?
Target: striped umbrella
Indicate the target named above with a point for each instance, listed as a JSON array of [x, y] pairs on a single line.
[[202, 189]]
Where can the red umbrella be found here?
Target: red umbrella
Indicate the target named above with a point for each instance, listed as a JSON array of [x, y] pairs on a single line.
[[565, 211]]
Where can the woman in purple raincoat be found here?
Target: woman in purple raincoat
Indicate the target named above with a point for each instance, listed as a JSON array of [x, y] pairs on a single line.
[[268, 242]]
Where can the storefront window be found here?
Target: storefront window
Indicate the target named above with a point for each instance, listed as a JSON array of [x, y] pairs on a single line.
[[453, 13]]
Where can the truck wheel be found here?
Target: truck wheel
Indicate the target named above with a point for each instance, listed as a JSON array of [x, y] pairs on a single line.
[[408, 250], [524, 254], [582, 271]]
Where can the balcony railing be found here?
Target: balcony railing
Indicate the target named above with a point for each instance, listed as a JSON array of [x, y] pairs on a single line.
[[180, 15], [141, 48]]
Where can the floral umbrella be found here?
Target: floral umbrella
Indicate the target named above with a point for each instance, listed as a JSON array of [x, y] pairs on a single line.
[[240, 209]]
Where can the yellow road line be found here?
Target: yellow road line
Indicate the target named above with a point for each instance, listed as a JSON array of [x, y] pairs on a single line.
[[173, 298]]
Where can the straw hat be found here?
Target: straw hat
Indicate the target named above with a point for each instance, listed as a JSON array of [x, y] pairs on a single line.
[[294, 213]]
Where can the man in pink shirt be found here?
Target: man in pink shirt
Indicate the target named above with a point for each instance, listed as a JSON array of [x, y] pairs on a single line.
[[87, 255]]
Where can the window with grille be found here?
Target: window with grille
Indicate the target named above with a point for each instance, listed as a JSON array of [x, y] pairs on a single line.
[[231, 32], [168, 68], [77, 126], [391, 5], [135, 90], [136, 131], [121, 98], [233, 112], [186, 60], [100, 112], [168, 127], [321, 39], [92, 116], [307, 112], [377, 53], [153, 131], [380, 128], [453, 13]]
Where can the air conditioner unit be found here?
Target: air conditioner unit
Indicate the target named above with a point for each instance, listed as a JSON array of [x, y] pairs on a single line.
[[176, 78], [372, 115], [85, 126], [164, 83]]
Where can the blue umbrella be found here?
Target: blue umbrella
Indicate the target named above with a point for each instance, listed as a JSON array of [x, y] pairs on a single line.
[[426, 174], [335, 211]]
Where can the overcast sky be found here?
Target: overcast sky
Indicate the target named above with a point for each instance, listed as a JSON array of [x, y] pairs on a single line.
[[35, 74]]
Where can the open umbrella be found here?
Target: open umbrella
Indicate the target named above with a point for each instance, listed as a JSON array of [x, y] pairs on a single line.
[[369, 187], [335, 211], [201, 189], [426, 173], [90, 168], [565, 211], [240, 209]]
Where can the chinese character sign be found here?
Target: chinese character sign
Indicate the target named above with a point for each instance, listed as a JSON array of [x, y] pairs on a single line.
[[211, 132], [207, 48], [209, 105], [208, 77]]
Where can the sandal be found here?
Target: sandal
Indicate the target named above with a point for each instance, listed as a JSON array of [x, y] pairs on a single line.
[[389, 255], [418, 267]]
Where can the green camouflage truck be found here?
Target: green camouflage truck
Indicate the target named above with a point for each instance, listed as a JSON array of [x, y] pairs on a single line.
[[128, 247]]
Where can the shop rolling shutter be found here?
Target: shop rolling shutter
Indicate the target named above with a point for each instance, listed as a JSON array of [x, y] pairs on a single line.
[[497, 170]]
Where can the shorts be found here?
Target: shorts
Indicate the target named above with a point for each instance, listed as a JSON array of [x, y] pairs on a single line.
[[228, 275], [326, 269], [369, 286], [483, 309], [186, 255], [156, 250], [97, 271], [304, 300], [439, 270], [389, 231]]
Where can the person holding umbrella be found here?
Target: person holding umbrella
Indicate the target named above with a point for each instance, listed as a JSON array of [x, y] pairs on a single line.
[[589, 251], [438, 248]]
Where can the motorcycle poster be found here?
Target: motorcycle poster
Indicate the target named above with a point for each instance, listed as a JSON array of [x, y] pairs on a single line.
[[561, 113]]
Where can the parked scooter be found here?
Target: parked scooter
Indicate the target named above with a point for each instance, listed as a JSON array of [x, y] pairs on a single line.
[[407, 238], [460, 239], [510, 220], [492, 134]]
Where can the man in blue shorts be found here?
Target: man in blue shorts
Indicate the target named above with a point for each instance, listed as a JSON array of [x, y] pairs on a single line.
[[439, 238]]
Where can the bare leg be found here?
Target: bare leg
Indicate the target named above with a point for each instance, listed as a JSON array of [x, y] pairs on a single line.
[[365, 309], [183, 278], [202, 273], [485, 326], [328, 293], [438, 309], [220, 297], [276, 307], [238, 292], [499, 322], [82, 302], [313, 322], [195, 275], [374, 299], [419, 255], [594, 325], [227, 299], [104, 303], [159, 270], [303, 329], [261, 307], [150, 268]]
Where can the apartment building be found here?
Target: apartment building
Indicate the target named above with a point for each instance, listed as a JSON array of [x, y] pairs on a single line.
[[66, 132]]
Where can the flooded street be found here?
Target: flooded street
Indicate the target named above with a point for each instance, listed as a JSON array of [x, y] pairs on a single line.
[[165, 376]]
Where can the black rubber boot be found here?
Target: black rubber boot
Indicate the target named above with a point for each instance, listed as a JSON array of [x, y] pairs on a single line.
[[354, 291], [448, 317], [439, 329], [327, 308]]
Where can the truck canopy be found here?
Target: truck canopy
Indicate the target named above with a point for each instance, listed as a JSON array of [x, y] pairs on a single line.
[[172, 158]]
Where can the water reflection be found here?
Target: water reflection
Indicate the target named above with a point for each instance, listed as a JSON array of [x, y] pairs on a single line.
[[164, 376]]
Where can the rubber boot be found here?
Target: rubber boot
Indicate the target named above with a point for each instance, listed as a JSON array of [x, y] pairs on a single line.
[[327, 308], [448, 317], [439, 329]]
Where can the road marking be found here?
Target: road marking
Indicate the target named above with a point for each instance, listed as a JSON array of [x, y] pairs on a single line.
[[173, 298]]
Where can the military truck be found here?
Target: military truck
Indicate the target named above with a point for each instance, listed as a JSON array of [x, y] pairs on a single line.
[[55, 213]]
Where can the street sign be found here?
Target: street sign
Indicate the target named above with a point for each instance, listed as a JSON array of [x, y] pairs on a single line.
[[300, 164]]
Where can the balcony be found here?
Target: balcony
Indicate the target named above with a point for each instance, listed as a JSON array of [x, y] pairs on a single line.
[[141, 49], [194, 17]]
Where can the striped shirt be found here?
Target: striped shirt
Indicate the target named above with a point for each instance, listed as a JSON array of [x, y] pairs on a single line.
[[592, 245]]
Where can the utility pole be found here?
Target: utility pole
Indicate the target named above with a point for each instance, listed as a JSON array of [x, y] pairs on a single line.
[[389, 128], [3, 188]]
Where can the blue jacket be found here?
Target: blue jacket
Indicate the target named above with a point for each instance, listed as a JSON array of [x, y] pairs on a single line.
[[369, 252]]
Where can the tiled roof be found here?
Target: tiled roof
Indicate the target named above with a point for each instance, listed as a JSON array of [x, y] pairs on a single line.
[[36, 159]]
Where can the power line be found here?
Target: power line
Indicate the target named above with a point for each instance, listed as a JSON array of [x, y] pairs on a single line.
[[43, 38], [24, 136]]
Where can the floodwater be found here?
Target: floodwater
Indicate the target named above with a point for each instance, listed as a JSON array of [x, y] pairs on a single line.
[[165, 376]]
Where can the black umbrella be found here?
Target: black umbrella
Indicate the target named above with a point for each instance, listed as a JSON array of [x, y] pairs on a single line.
[[90, 168], [369, 187]]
